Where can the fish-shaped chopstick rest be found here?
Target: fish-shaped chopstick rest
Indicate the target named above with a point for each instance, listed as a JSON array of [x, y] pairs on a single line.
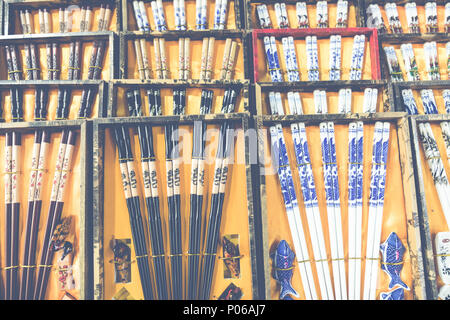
[[392, 251], [283, 263]]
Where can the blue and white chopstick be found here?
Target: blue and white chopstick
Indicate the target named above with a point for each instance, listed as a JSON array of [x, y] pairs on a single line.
[[312, 59], [201, 22], [428, 101], [180, 14], [355, 177], [290, 58], [279, 153], [409, 101], [335, 57], [309, 197], [358, 50], [312, 212], [376, 204], [272, 59], [220, 14], [333, 208]]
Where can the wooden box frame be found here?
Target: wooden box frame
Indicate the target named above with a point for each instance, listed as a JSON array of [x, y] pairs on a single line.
[[134, 83], [398, 39], [85, 201], [100, 85], [10, 5], [99, 127], [428, 245], [329, 86], [19, 39], [360, 21], [415, 85], [370, 33], [408, 179], [244, 36], [238, 12]]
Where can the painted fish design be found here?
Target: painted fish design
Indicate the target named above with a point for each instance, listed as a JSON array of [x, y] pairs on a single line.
[[442, 242], [397, 294], [392, 251], [283, 259]]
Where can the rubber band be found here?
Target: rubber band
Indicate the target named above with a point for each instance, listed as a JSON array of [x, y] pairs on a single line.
[[328, 163], [192, 254], [354, 258], [321, 260], [127, 159], [45, 266], [355, 162], [372, 259], [143, 256], [25, 266], [158, 256], [303, 164], [10, 267], [274, 69], [175, 255], [148, 158], [338, 259], [74, 68], [303, 261], [13, 172], [95, 67], [55, 70], [209, 254], [442, 255], [31, 69], [14, 71]]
